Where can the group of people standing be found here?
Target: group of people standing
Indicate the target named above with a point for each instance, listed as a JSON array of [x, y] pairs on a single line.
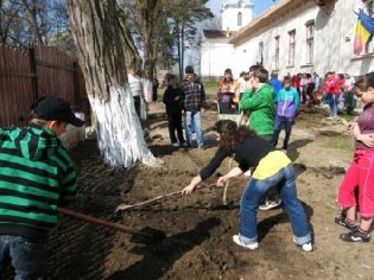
[[254, 149], [186, 100], [37, 174], [273, 176]]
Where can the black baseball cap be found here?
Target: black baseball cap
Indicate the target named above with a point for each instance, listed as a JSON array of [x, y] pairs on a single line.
[[53, 108]]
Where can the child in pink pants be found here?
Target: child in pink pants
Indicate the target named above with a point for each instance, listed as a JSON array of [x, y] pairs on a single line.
[[356, 192]]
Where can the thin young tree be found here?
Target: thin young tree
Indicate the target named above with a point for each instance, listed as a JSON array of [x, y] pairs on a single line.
[[184, 15], [101, 44]]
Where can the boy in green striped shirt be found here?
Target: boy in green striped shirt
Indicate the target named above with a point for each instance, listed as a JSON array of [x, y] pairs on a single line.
[[36, 176]]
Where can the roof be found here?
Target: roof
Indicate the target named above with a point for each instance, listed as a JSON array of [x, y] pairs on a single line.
[[237, 4], [216, 34], [277, 11]]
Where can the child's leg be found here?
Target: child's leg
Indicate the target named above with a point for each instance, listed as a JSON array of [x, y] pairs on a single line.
[[178, 125], [198, 129], [365, 165], [188, 126], [288, 128], [251, 197], [293, 207], [347, 195], [277, 129], [171, 129], [366, 224]]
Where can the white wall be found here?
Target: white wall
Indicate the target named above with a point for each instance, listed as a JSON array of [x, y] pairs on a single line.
[[215, 58], [230, 18], [334, 36]]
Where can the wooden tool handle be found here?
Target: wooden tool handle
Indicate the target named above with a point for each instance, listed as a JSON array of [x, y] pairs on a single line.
[[95, 221]]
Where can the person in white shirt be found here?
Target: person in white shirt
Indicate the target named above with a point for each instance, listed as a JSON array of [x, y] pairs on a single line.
[[136, 86]]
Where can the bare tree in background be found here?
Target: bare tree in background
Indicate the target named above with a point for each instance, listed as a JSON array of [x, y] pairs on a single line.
[[31, 22]]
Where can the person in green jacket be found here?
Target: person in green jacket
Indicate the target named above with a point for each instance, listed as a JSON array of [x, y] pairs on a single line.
[[259, 103], [36, 176]]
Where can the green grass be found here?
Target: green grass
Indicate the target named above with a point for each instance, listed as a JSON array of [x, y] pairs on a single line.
[[341, 143], [211, 88], [347, 117]]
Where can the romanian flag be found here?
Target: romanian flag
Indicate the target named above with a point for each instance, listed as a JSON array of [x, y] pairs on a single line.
[[364, 29]]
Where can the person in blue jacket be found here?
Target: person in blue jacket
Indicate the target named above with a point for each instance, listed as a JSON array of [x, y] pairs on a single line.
[[288, 103], [275, 83]]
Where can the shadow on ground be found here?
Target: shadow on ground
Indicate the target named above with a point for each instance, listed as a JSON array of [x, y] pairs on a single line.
[[293, 152], [159, 257], [268, 223]]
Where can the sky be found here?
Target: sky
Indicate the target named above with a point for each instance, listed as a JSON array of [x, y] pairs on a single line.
[[260, 5]]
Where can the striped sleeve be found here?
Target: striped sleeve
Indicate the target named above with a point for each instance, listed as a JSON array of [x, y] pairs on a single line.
[[69, 186], [68, 179]]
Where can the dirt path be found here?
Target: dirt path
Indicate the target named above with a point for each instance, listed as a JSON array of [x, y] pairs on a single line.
[[198, 229]]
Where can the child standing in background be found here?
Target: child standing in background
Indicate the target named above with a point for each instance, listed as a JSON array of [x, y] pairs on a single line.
[[287, 101], [260, 104], [173, 101], [360, 175]]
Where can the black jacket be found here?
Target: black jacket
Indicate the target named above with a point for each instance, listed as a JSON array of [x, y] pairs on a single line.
[[173, 106]]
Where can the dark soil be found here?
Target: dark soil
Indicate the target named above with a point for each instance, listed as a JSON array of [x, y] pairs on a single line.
[[198, 229]]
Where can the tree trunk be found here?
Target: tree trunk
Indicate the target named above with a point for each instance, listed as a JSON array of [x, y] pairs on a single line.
[[100, 43], [182, 47], [180, 65]]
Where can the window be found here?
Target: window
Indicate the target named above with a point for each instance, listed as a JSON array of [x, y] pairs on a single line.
[[240, 19], [261, 53], [310, 27], [292, 46], [276, 56]]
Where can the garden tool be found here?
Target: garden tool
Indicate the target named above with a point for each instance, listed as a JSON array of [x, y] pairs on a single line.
[[145, 235]]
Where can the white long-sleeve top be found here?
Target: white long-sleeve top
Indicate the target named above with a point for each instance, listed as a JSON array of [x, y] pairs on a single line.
[[136, 86]]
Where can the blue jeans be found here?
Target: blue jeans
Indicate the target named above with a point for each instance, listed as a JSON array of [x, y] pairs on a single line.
[[256, 189], [29, 257], [281, 122], [333, 103], [193, 121]]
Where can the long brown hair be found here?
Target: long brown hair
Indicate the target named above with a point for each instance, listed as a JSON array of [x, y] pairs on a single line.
[[232, 135], [365, 82]]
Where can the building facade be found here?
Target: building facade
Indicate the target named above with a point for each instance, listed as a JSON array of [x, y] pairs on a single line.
[[303, 36], [236, 14], [217, 53]]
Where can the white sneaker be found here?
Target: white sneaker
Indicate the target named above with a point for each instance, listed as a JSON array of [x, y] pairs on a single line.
[[238, 241], [270, 205], [175, 145], [307, 247]]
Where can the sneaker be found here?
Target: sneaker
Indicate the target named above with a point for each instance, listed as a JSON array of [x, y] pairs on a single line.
[[248, 173], [341, 220], [238, 241], [175, 145], [270, 205], [355, 236], [306, 247]]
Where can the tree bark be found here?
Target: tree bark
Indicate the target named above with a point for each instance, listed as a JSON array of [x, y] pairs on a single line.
[[101, 44]]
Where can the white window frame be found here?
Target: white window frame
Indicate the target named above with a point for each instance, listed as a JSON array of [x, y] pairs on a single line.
[[277, 52], [310, 33], [292, 47]]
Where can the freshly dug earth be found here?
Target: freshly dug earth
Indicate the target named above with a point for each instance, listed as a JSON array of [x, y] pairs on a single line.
[[198, 243]]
